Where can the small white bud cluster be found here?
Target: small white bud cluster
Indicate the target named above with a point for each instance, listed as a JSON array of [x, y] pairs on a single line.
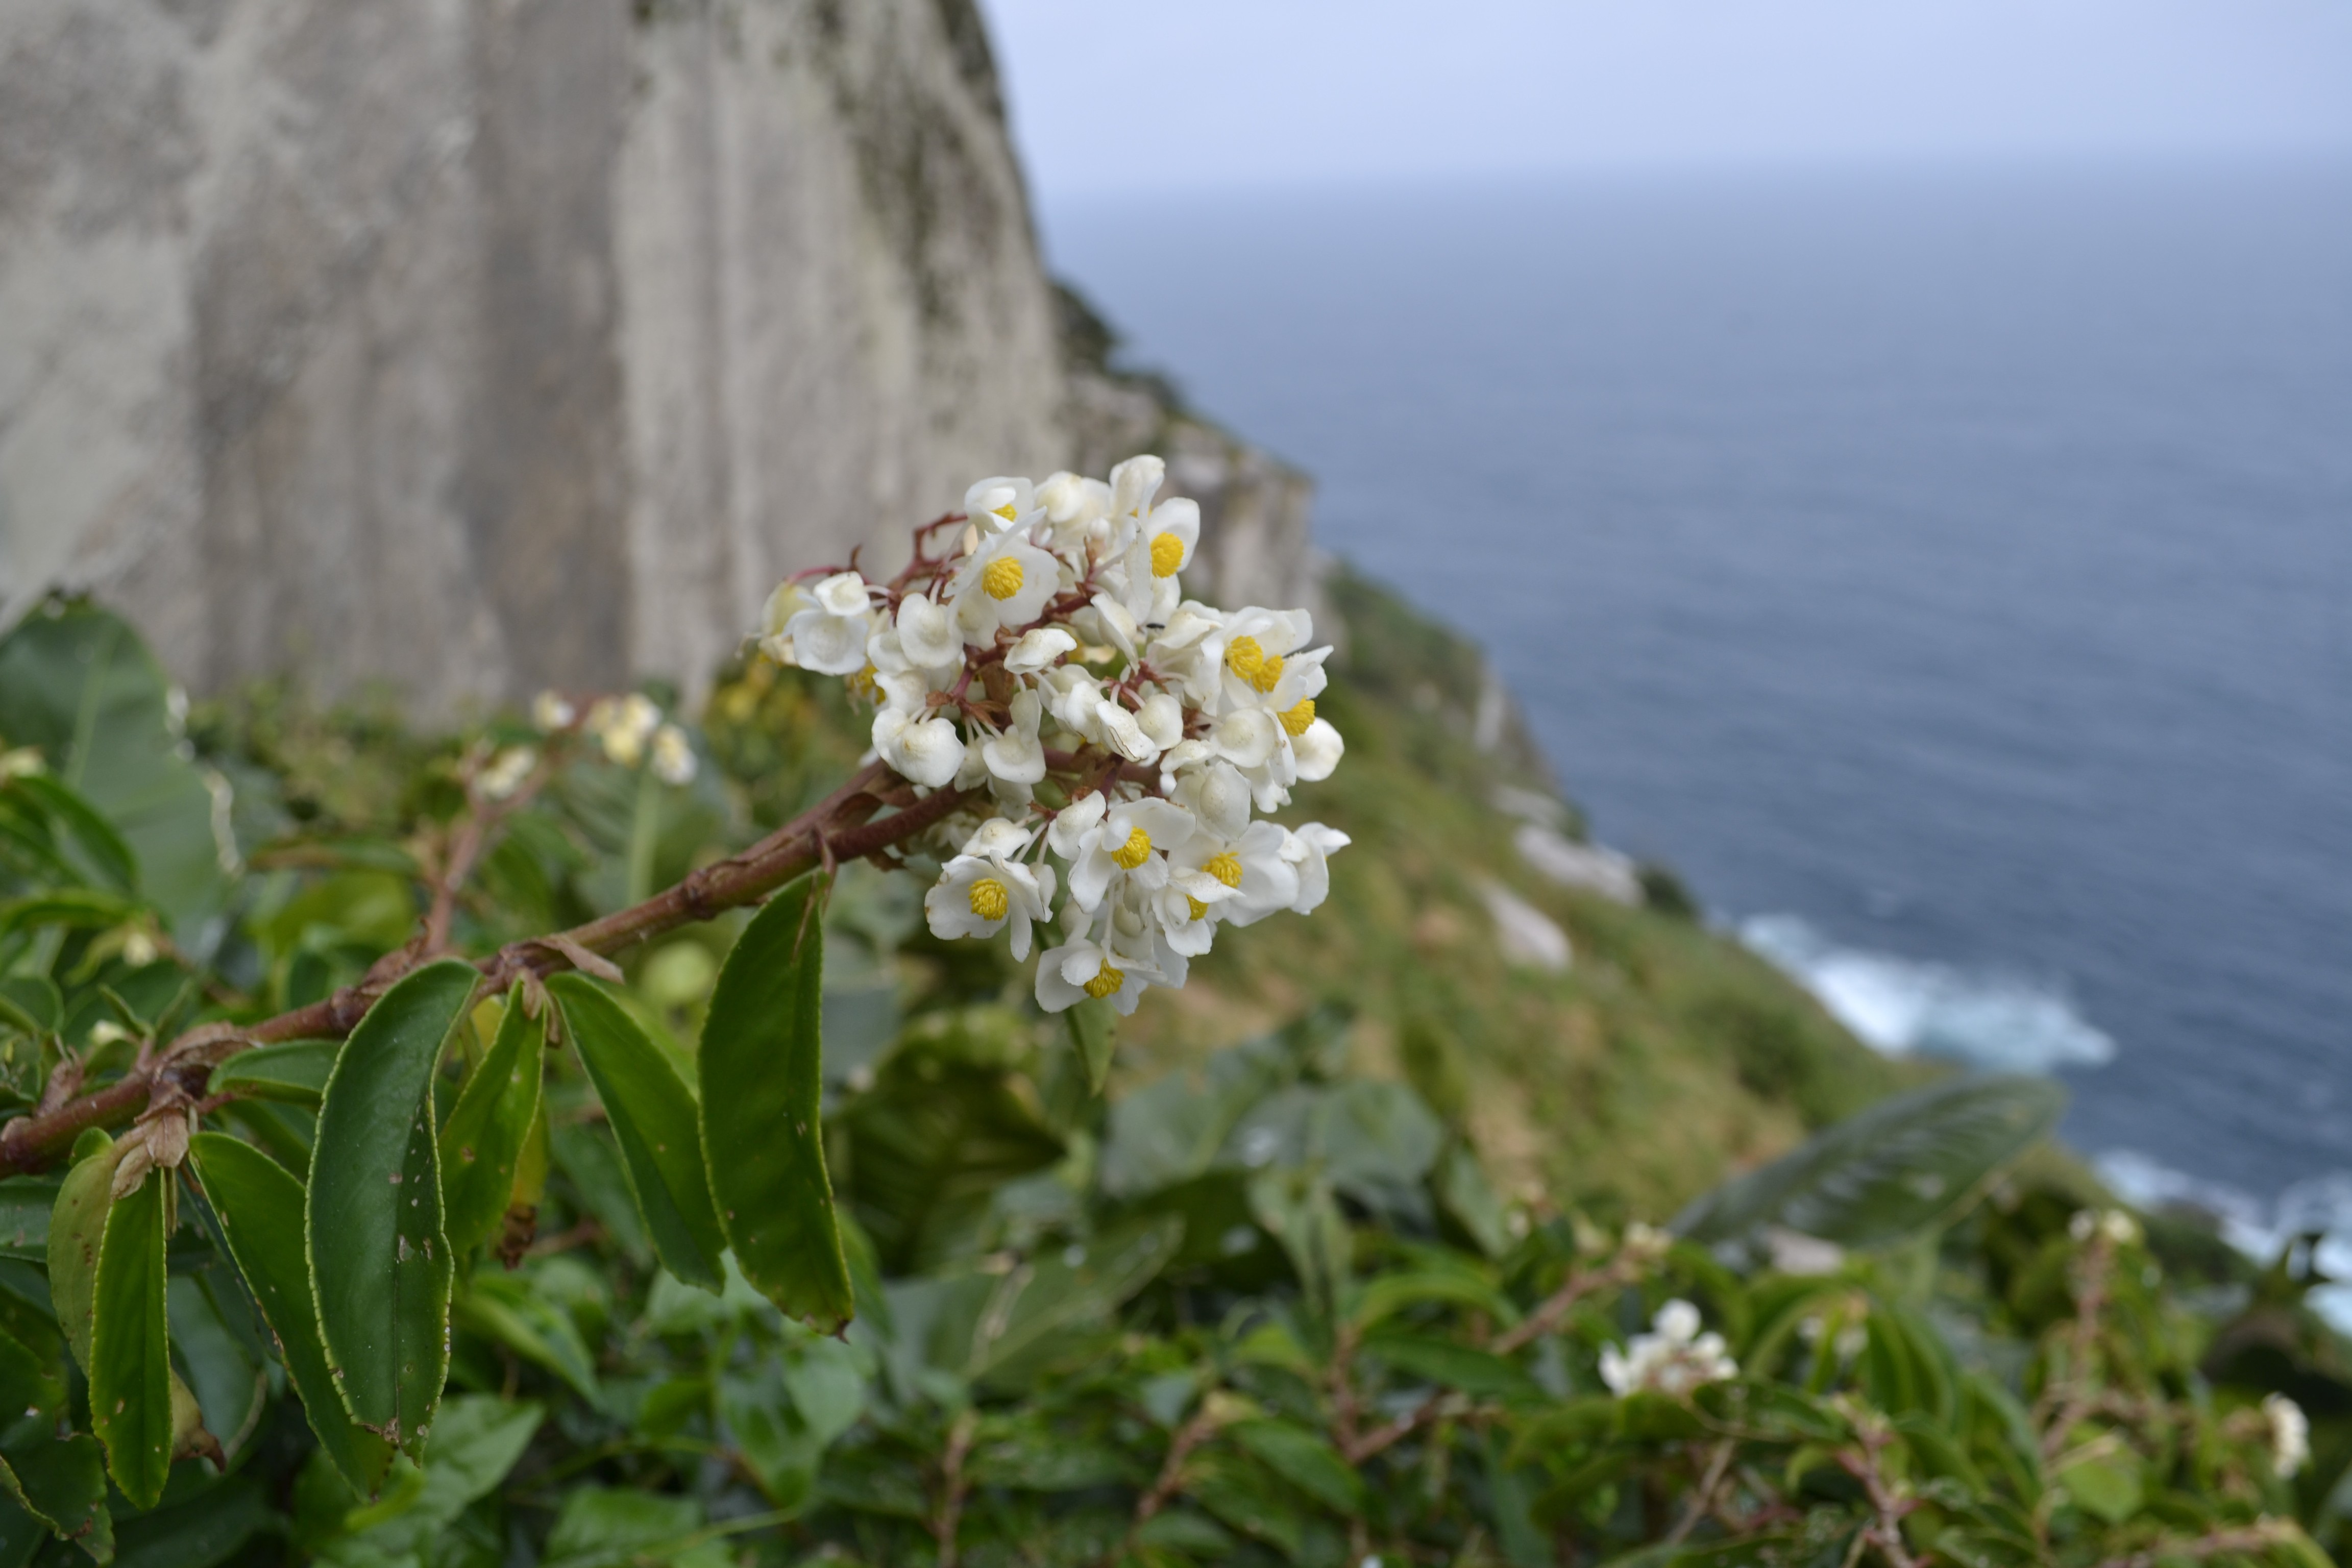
[[629, 730], [1114, 736], [1674, 1360]]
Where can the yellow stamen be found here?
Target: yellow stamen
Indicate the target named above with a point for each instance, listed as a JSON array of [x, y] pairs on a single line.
[[989, 901], [1245, 658], [1002, 577], [1267, 673], [1007, 514], [1167, 555], [863, 684], [1132, 853], [1225, 867], [1296, 720], [1199, 909], [1105, 983]]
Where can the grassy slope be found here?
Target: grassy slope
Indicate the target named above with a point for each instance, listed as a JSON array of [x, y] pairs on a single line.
[[1664, 1060]]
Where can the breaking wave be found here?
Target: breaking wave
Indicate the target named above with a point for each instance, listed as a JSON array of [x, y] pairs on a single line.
[[1904, 1006], [2254, 1226]]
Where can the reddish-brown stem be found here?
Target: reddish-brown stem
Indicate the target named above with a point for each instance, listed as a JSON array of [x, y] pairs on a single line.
[[842, 827]]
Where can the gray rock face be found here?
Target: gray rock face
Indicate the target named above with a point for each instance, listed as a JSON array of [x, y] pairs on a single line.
[[472, 346]]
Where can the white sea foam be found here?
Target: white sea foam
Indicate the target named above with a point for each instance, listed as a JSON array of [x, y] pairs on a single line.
[[2256, 1227], [1904, 1006]]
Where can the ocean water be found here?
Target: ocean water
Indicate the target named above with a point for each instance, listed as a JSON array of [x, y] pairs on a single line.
[[1949, 572]]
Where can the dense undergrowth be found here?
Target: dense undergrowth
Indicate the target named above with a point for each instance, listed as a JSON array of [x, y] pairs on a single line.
[[1337, 1268]]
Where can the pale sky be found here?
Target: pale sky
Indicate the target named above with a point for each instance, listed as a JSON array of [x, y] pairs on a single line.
[[1121, 94]]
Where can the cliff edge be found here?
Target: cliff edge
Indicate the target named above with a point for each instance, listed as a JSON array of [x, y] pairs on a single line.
[[470, 349]]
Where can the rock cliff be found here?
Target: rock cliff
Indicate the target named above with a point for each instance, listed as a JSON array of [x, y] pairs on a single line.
[[471, 345]]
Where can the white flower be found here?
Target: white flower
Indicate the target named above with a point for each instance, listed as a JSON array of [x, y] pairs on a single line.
[[787, 600], [2290, 1435], [1071, 504], [1250, 865], [923, 750], [978, 895], [550, 712], [1317, 748], [1001, 503], [1674, 1360], [1132, 485], [830, 635], [1161, 720], [1116, 728], [507, 773], [674, 760], [1130, 839], [2115, 1227], [1038, 649], [1162, 546], [1308, 850], [1068, 974], [1004, 583], [622, 726], [927, 636], [1255, 647], [1016, 755]]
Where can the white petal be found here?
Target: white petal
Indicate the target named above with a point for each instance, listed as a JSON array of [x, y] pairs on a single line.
[[926, 633], [1319, 751], [843, 593], [1162, 719], [828, 643], [1037, 650], [1245, 737]]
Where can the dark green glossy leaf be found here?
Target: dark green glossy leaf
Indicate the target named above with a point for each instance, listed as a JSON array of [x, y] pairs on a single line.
[[100, 846], [76, 906], [209, 1529], [1901, 1167], [76, 1226], [27, 1205], [1304, 1459], [502, 1308], [62, 1483], [259, 1206], [483, 1138], [652, 1114], [130, 1361], [762, 1061], [380, 1264], [294, 1073], [80, 686], [33, 1003]]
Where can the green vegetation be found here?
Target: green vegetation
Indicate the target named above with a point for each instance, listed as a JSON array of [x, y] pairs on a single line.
[[1338, 1266]]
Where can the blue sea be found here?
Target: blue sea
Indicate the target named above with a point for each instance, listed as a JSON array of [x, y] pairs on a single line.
[[1949, 571]]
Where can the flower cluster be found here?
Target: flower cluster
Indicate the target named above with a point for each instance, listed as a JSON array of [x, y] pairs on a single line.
[[628, 730], [1674, 1360], [1111, 738]]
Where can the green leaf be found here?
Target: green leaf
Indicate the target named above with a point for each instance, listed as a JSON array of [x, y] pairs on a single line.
[[483, 1140], [80, 686], [58, 1484], [506, 1310], [294, 1073], [77, 1227], [101, 847], [762, 1064], [652, 1114], [1902, 1166], [26, 1204], [83, 908], [1303, 1459], [476, 1440], [1045, 1299], [208, 1529], [380, 1264], [62, 1483], [130, 1361], [603, 1525], [1092, 1024]]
